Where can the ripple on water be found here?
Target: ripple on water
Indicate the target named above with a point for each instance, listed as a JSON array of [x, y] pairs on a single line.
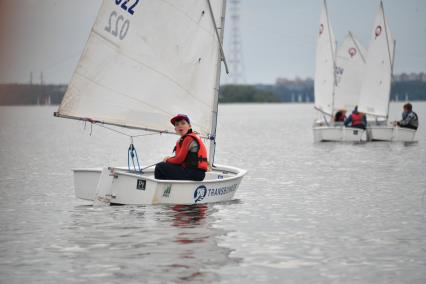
[[305, 212]]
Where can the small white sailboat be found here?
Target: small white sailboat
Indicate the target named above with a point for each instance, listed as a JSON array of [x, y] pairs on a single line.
[[376, 86], [144, 62], [337, 82]]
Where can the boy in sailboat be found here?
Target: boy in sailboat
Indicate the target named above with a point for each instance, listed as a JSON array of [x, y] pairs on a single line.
[[409, 118], [356, 119], [190, 160], [340, 116]]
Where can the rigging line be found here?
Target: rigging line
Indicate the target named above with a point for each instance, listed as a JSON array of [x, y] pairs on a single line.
[[149, 166], [155, 132], [128, 135], [165, 131], [423, 203], [137, 159], [147, 134], [218, 36], [323, 112], [101, 124]]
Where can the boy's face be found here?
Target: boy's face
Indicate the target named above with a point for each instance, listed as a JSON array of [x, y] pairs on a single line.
[[182, 127]]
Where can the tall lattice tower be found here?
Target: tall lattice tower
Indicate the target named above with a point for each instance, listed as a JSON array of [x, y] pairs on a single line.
[[236, 60]]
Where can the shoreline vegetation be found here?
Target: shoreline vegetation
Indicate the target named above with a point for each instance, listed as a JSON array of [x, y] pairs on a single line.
[[405, 87]]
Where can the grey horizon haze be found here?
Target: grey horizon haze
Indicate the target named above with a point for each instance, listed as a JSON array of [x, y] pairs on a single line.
[[278, 37]]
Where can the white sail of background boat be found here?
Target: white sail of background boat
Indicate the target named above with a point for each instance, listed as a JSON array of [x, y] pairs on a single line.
[[324, 67], [350, 64], [376, 83], [144, 62], [375, 91], [326, 84]]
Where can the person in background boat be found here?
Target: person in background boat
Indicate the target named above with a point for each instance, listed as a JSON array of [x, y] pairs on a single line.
[[190, 160], [340, 116], [356, 119], [409, 118]]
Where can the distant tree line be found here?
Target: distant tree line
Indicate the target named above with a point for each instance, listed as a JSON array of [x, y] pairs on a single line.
[[284, 91], [304, 92], [29, 94], [245, 94], [408, 91]]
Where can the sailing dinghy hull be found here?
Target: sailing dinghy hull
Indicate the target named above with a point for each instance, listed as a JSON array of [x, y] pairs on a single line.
[[339, 134], [396, 134], [121, 187]]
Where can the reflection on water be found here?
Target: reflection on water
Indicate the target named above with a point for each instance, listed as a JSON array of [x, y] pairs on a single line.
[[189, 215], [309, 213], [121, 243]]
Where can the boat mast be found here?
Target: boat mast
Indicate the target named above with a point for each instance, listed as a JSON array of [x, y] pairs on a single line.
[[334, 59], [391, 56], [217, 85], [390, 90]]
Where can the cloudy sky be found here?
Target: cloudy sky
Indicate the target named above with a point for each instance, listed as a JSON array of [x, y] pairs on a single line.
[[278, 36]]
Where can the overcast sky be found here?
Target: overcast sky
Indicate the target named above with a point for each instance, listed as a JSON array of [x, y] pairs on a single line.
[[278, 36]]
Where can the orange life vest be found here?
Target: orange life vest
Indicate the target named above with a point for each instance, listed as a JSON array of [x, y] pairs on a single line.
[[194, 160], [357, 119]]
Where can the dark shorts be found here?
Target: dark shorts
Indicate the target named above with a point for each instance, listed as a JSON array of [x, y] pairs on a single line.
[[360, 126], [409, 126], [175, 172]]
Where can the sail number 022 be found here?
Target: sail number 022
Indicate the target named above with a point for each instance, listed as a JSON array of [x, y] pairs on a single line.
[[117, 26], [126, 6]]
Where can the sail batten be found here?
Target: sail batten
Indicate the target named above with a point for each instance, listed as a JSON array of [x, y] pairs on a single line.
[[140, 69], [164, 75], [123, 123]]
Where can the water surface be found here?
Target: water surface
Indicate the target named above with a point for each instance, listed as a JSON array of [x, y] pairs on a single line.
[[305, 212]]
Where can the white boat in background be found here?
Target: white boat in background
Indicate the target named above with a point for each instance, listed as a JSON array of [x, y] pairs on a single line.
[[339, 133], [375, 92], [139, 68], [337, 83]]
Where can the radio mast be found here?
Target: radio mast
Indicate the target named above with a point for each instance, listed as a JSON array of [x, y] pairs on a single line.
[[236, 62]]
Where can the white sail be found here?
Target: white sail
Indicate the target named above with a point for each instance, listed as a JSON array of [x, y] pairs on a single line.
[[146, 61], [375, 91], [350, 64], [324, 69]]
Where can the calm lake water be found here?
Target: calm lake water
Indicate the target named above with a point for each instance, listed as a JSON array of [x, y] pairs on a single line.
[[305, 212]]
